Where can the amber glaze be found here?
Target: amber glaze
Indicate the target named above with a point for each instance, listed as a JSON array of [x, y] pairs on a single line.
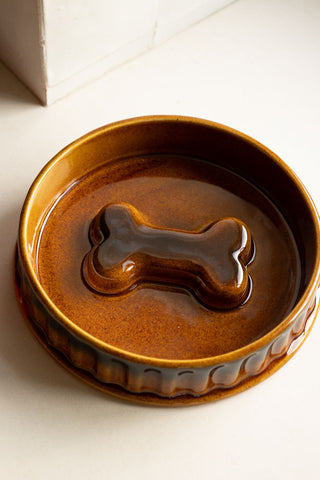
[[160, 319], [156, 339]]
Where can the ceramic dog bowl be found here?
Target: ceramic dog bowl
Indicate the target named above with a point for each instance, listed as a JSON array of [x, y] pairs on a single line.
[[168, 260]]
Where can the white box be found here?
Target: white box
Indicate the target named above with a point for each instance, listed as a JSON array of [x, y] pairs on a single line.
[[55, 46]]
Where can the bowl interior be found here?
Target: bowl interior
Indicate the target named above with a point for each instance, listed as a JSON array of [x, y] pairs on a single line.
[[192, 153]]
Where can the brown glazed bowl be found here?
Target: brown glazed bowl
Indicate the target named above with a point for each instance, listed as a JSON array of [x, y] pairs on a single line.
[[168, 260]]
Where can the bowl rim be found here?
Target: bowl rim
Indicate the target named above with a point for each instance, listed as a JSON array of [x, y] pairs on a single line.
[[227, 357]]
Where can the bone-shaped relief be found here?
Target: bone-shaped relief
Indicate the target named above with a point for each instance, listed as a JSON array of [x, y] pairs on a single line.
[[127, 252]]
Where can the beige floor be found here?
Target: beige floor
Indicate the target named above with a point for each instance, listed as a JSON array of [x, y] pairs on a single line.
[[255, 66]]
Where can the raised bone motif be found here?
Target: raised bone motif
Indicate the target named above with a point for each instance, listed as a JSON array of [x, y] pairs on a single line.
[[126, 252]]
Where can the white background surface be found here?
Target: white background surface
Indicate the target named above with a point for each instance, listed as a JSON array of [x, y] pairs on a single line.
[[253, 66], [55, 46]]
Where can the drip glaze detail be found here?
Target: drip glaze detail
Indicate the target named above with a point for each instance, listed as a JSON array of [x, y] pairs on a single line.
[[127, 251]]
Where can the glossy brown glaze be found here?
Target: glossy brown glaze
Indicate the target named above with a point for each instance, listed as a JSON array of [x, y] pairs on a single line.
[[161, 318], [157, 343], [127, 252]]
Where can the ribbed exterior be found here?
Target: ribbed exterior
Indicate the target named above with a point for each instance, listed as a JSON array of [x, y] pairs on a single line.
[[142, 378]]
